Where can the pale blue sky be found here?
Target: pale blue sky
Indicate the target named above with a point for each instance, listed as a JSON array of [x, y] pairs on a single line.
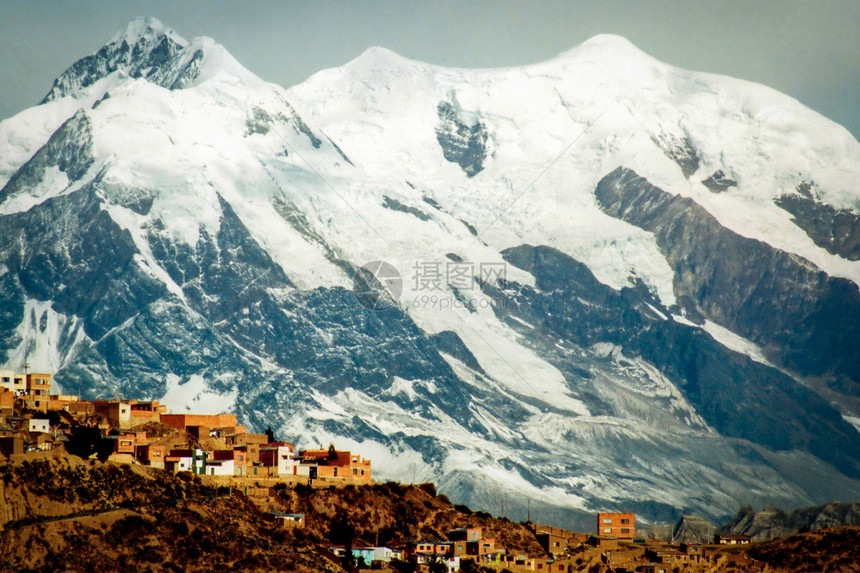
[[807, 49]]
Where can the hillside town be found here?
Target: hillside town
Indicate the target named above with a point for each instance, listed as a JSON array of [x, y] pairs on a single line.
[[257, 467], [142, 432]]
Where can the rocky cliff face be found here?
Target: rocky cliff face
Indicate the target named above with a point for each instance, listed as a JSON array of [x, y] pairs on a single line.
[[802, 318], [598, 337], [770, 522], [144, 50], [693, 529]]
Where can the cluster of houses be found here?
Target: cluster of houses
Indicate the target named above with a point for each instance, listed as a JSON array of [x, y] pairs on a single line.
[[617, 547], [462, 543], [563, 551], [210, 444], [143, 432]]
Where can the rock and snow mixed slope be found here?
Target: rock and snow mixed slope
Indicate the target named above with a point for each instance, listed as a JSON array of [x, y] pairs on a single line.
[[674, 329]]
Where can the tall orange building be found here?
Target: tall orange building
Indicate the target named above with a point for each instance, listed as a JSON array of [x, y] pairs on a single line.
[[621, 525]]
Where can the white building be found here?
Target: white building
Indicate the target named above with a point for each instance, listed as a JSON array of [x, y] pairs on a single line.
[[385, 554], [282, 455], [13, 382], [220, 467], [39, 425]]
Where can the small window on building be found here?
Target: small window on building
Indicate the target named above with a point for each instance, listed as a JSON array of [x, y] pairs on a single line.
[[625, 520], [607, 530], [625, 530], [607, 520], [335, 472]]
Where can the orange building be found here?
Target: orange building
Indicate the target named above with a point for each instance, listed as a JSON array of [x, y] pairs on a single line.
[[7, 402], [38, 391], [123, 445], [621, 525], [182, 421], [252, 453], [150, 455], [61, 401], [144, 412], [337, 464]]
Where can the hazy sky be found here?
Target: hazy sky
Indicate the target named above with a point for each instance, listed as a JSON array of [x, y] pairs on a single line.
[[805, 48]]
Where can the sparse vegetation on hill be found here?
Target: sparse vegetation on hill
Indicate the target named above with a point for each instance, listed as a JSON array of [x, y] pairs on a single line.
[[59, 512], [62, 513], [394, 514], [835, 550]]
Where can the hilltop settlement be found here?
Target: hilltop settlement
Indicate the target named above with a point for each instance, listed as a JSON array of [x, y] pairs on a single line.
[[320, 505], [134, 431]]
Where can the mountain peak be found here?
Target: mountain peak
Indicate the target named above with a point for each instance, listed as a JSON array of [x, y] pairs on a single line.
[[145, 49], [379, 57], [610, 47], [146, 28]]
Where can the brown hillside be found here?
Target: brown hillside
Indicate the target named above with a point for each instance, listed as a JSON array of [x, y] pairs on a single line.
[[394, 514], [835, 550], [59, 512]]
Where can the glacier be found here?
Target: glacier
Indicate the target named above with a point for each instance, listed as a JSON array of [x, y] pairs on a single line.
[[172, 227]]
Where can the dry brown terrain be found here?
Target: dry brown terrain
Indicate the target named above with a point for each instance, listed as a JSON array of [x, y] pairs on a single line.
[[62, 513], [835, 550], [58, 512]]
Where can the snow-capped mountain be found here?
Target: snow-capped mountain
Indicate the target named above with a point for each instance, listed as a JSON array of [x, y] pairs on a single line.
[[624, 285]]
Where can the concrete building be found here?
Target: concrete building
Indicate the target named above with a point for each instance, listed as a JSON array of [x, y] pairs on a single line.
[[289, 520], [38, 425], [220, 467], [234, 460], [15, 383]]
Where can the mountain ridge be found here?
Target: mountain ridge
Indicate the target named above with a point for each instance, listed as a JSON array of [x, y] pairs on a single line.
[[595, 379]]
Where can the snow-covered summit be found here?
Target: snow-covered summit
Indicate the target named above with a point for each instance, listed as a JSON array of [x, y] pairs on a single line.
[[148, 30], [148, 49], [611, 48], [679, 128]]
